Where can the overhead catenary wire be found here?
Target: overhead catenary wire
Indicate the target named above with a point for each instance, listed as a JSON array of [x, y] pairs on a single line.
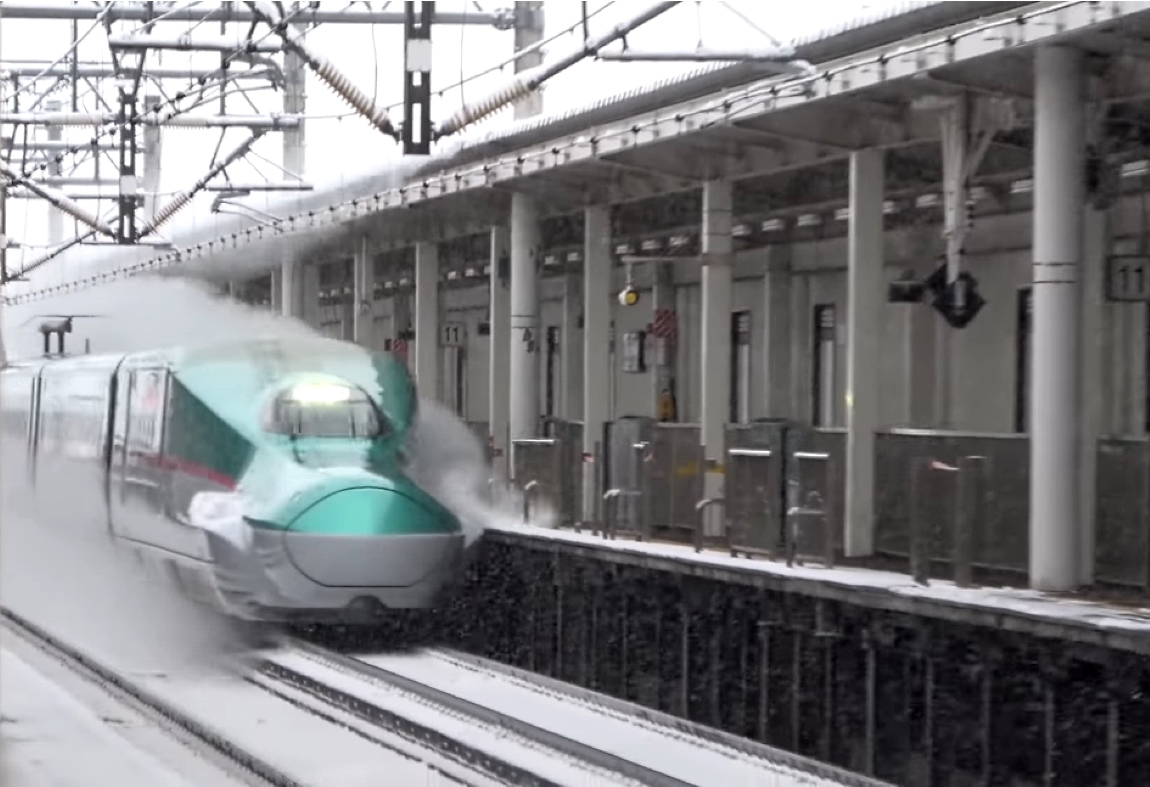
[[518, 54], [500, 66], [324, 69], [522, 84], [69, 51], [113, 127], [58, 200], [99, 226], [43, 260], [173, 207]]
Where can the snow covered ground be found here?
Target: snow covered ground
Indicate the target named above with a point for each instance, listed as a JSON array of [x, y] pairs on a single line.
[[59, 731]]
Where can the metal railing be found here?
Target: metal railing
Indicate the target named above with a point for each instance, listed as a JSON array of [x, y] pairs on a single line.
[[951, 501]]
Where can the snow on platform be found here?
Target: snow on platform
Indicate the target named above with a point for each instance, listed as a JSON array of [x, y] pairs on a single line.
[[60, 732], [1020, 609]]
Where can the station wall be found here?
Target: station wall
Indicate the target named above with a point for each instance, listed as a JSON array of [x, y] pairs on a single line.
[[932, 376]]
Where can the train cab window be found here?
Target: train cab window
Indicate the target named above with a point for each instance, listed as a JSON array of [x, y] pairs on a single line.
[[324, 409]]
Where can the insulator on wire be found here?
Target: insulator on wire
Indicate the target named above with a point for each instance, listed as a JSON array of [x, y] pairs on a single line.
[[355, 98], [328, 73], [165, 213], [518, 88]]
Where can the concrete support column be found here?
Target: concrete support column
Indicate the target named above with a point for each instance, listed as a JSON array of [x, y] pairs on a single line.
[[1059, 157], [499, 380], [571, 349], [864, 330], [596, 341], [153, 155], [288, 289], [1095, 246], [294, 158], [427, 319], [716, 339], [363, 297], [525, 339]]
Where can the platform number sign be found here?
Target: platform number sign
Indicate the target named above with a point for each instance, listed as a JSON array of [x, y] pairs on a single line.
[[1128, 277], [452, 334]]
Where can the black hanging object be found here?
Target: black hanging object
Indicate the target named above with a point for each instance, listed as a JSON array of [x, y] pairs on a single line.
[[417, 22]]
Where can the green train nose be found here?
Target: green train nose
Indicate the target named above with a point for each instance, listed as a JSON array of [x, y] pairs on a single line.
[[372, 537]]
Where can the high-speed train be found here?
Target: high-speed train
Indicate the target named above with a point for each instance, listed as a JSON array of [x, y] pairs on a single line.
[[264, 477]]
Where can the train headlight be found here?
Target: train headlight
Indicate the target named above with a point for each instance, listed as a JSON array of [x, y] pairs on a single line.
[[320, 393], [628, 296]]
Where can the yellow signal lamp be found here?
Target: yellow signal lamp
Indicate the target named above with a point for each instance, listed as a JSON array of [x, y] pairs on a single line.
[[628, 296]]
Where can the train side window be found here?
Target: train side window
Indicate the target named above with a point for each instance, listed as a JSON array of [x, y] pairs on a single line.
[[146, 411], [120, 415]]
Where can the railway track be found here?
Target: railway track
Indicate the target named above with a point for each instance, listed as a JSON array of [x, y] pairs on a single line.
[[234, 737], [524, 729], [225, 754], [460, 719]]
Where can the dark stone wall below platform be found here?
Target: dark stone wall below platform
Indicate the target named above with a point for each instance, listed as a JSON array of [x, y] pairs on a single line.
[[910, 700]]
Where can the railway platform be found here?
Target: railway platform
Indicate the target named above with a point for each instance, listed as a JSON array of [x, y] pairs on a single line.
[[912, 680], [1066, 617]]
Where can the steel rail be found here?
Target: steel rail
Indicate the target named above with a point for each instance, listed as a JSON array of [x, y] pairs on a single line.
[[511, 773], [688, 729]]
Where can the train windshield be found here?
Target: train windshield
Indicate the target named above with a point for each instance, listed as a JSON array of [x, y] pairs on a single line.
[[325, 409]]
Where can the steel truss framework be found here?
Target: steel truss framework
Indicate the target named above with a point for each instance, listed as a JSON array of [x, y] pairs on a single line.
[[257, 48], [117, 105]]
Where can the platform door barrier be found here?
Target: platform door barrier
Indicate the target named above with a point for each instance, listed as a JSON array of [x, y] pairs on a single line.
[[627, 457], [626, 509], [755, 486], [964, 485], [1122, 506], [674, 476], [570, 437], [813, 486], [537, 470], [752, 501]]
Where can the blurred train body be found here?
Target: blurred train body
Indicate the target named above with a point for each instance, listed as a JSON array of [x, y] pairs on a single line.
[[263, 477]]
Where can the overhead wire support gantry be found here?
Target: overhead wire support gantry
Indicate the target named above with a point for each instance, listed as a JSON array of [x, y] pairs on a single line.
[[124, 121], [500, 18]]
